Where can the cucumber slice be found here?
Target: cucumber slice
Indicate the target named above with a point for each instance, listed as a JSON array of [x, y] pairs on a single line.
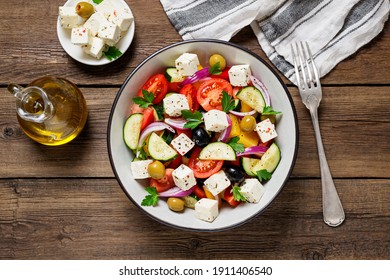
[[268, 161], [217, 151], [132, 130], [159, 150], [252, 97], [173, 75]]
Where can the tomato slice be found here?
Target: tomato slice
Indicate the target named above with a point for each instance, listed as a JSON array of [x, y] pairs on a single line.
[[164, 183], [209, 94], [176, 162], [190, 92], [174, 86], [203, 168], [228, 196], [158, 85]]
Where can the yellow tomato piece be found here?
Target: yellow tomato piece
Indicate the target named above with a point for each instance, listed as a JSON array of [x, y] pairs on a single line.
[[245, 107], [236, 130], [249, 139]]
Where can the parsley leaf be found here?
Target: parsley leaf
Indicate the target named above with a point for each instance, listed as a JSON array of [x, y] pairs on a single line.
[[227, 102], [152, 198], [97, 1], [194, 118], [237, 147], [237, 194], [263, 174], [215, 69], [145, 101], [112, 53], [269, 111]]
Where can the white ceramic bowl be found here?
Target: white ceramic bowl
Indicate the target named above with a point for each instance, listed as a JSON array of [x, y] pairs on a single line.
[[287, 129]]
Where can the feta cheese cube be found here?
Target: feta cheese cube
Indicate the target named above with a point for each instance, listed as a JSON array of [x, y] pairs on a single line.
[[95, 47], [122, 17], [215, 120], [187, 64], [266, 130], [68, 17], [217, 182], [79, 36], [94, 22], [139, 168], [182, 144], [239, 75], [174, 104], [184, 178], [110, 33], [106, 7], [252, 190], [206, 209]]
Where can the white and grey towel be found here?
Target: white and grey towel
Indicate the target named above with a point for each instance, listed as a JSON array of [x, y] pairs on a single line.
[[334, 29]]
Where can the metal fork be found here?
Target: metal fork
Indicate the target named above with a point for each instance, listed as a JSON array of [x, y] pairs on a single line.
[[310, 90]]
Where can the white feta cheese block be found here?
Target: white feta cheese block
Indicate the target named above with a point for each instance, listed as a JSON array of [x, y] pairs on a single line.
[[139, 168], [122, 17], [266, 130], [79, 36], [110, 33], [95, 47], [184, 178], [217, 183], [94, 21], [106, 7], [68, 17], [206, 209], [239, 75], [187, 64], [182, 144], [174, 104], [215, 120], [252, 190]]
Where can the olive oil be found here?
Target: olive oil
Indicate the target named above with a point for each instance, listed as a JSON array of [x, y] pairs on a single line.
[[51, 110]]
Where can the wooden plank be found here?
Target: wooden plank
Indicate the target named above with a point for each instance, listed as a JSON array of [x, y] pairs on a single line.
[[93, 219], [24, 54], [355, 133]]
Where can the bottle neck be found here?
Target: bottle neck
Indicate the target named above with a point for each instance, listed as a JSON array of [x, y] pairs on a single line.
[[32, 103]]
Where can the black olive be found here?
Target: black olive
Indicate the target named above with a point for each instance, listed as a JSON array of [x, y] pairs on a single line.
[[234, 173], [200, 136]]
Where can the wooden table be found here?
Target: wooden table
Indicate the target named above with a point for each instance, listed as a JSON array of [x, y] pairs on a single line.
[[65, 203]]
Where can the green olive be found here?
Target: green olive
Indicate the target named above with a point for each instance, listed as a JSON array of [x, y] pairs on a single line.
[[84, 9], [176, 204], [215, 58], [272, 118], [248, 123], [156, 170]]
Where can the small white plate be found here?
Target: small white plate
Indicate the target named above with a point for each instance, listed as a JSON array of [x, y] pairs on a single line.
[[78, 54]]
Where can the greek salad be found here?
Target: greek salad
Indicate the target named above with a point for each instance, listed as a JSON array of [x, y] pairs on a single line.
[[203, 136]]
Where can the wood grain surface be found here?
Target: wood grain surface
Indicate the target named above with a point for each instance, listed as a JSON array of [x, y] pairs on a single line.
[[65, 203]]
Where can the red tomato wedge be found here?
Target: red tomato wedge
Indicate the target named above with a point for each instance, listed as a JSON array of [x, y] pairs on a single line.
[[164, 183], [190, 92], [209, 94], [224, 75], [158, 85], [229, 197], [203, 168], [199, 192], [148, 114]]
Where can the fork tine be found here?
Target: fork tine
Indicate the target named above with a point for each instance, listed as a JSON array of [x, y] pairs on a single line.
[[314, 67], [294, 55], [309, 69], [301, 64]]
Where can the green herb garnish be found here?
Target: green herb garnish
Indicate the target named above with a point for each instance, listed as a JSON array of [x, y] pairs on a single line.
[[152, 198], [263, 174], [227, 102], [237, 194], [145, 101], [215, 69], [97, 1], [269, 111], [194, 118], [112, 53], [237, 147]]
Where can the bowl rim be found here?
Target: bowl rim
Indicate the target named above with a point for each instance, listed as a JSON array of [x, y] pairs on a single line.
[[132, 73]]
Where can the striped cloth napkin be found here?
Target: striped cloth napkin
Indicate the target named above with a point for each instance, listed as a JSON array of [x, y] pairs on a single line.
[[334, 29]]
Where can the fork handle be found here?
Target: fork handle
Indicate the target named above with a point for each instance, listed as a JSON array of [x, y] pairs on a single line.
[[333, 211]]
